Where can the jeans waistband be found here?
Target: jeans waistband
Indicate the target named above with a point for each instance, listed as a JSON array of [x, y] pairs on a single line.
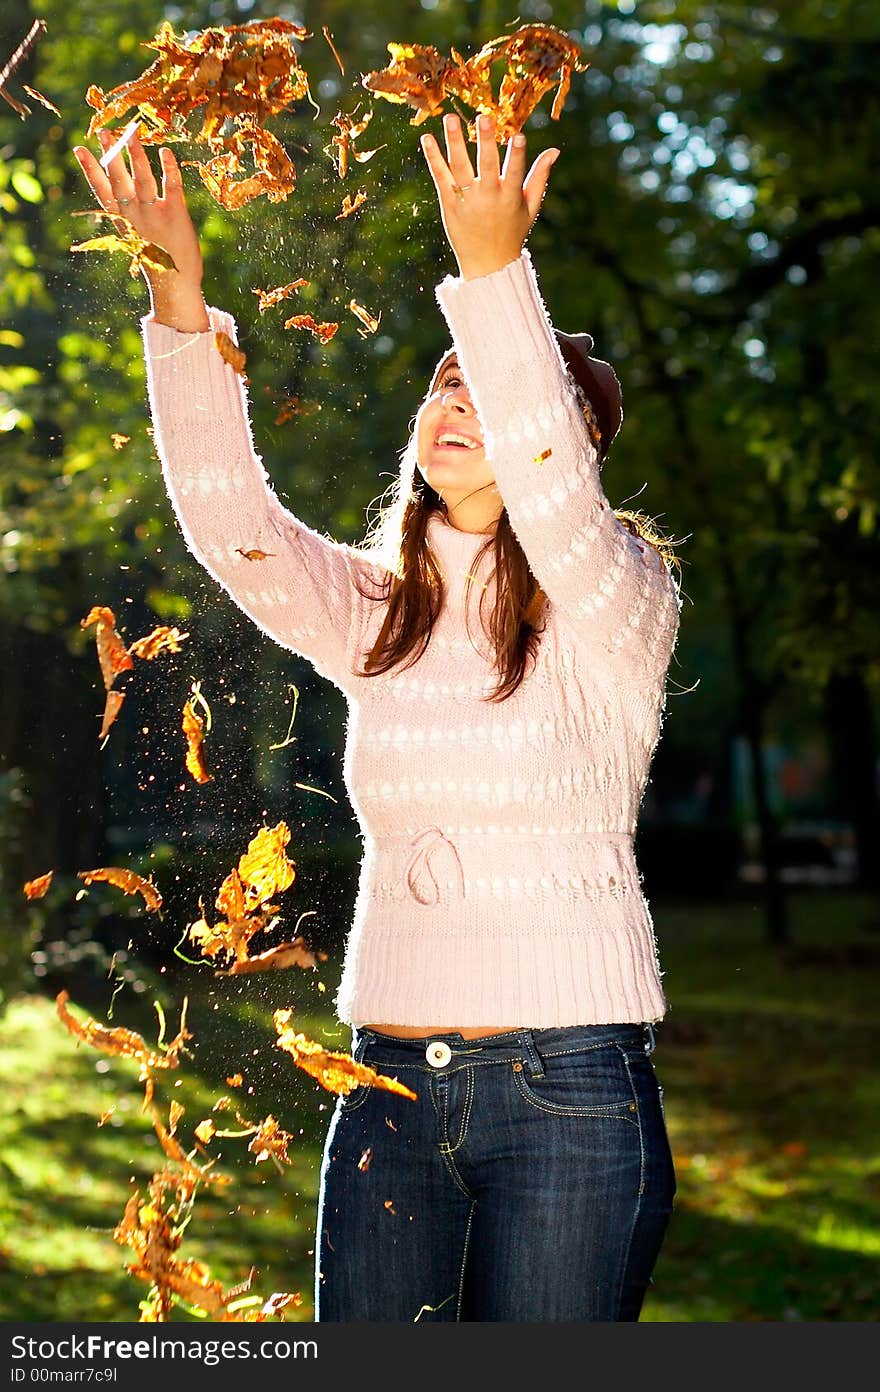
[[550, 1041]]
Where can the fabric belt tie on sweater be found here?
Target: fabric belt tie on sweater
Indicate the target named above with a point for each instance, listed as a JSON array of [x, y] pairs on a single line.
[[419, 876]]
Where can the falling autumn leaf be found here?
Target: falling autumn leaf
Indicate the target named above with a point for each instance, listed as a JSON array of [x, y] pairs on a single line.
[[129, 241], [119, 441], [536, 57], [113, 655], [269, 298], [350, 205], [162, 639], [123, 1042], [341, 148], [205, 1130], [112, 707], [14, 62], [286, 954], [193, 728], [370, 322], [235, 1080], [264, 868], [152, 1229], [230, 353], [127, 881], [337, 1072], [324, 332], [36, 889], [255, 554], [234, 78], [270, 1140]]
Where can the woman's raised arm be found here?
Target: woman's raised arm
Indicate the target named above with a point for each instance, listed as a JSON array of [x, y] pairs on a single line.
[[296, 585], [613, 588]]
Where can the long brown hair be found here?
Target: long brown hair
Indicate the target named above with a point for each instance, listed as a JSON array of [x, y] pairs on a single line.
[[413, 586]]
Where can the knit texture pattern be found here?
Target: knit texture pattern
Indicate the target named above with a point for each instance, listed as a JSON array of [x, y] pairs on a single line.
[[498, 884]]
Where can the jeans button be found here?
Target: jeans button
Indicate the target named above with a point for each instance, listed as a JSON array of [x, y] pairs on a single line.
[[438, 1055]]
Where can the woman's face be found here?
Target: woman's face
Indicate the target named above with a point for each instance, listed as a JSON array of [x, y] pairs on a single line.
[[449, 440]]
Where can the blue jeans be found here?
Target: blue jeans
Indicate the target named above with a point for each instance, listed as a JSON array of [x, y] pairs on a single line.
[[532, 1180]]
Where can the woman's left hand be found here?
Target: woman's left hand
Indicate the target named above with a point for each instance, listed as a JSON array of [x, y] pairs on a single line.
[[487, 216]]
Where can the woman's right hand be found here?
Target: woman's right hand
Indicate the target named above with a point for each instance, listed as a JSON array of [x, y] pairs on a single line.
[[131, 190]]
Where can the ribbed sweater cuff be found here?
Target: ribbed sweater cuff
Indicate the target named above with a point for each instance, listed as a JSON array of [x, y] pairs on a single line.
[[501, 314], [189, 366]]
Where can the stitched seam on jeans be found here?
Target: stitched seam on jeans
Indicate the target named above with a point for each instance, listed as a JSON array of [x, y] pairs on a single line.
[[466, 1114], [638, 1208], [467, 1238], [609, 1110]]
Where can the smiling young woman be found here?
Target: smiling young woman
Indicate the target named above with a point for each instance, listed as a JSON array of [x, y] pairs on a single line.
[[503, 639]]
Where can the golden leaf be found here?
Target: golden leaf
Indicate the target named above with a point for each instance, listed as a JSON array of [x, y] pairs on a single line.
[[127, 881], [35, 889], [337, 1072]]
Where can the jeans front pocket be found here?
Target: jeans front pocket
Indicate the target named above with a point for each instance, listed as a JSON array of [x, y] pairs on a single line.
[[350, 1101], [584, 1082]]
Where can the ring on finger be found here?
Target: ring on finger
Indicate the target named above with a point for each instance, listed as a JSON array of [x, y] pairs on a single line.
[[123, 202], [459, 189], [146, 202]]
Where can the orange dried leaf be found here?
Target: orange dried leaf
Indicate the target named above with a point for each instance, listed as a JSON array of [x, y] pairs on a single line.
[[162, 639], [268, 298], [127, 881], [112, 652], [193, 727], [36, 889], [43, 100], [36, 31], [175, 1112], [305, 321], [337, 1072], [230, 353], [272, 1140], [366, 1158], [255, 554], [191, 1173], [119, 441], [205, 1130], [286, 954], [124, 1043], [112, 707], [153, 1230], [369, 321], [235, 1080], [232, 79], [350, 205], [537, 57]]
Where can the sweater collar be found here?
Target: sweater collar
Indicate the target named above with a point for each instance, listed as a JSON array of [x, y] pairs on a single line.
[[450, 541]]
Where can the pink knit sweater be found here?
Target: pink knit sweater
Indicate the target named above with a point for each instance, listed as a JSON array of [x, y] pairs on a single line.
[[498, 884]]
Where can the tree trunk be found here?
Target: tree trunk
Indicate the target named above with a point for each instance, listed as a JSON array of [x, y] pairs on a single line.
[[852, 740]]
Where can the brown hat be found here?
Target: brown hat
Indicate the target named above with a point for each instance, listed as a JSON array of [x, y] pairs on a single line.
[[596, 378], [598, 381]]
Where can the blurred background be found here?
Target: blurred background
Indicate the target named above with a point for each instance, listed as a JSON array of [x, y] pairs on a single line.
[[714, 223]]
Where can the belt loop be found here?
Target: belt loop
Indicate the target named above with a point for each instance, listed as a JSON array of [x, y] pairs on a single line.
[[650, 1042], [530, 1053]]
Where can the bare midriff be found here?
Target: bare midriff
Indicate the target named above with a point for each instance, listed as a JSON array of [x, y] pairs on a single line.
[[466, 1031]]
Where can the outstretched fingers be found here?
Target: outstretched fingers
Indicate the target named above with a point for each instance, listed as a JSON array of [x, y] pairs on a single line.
[[535, 185], [145, 187], [94, 175]]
